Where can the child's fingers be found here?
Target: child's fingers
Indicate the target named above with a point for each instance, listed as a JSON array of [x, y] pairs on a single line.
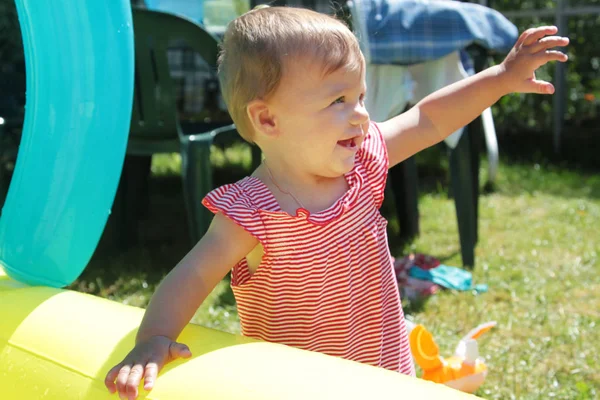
[[133, 381], [551, 55], [534, 34], [540, 87], [177, 350], [109, 381], [150, 374], [548, 43], [122, 377]]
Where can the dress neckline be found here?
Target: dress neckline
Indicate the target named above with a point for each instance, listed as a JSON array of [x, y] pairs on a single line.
[[337, 209]]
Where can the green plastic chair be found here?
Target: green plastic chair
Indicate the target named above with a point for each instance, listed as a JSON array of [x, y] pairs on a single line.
[[155, 127]]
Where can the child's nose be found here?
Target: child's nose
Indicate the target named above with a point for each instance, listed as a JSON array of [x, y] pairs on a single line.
[[360, 115]]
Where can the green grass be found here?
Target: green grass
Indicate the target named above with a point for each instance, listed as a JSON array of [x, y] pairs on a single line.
[[538, 252]]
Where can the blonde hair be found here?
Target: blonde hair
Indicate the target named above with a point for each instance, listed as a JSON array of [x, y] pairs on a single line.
[[258, 44]]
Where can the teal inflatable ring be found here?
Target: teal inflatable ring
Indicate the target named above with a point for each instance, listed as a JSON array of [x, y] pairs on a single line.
[[80, 67]]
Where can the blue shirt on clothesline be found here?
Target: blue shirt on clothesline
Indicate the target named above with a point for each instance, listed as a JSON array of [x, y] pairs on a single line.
[[406, 32]]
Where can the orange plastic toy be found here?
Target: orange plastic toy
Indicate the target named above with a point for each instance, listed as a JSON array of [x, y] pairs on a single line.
[[464, 371]]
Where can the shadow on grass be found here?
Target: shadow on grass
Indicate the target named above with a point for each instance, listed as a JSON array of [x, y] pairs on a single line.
[[415, 306]]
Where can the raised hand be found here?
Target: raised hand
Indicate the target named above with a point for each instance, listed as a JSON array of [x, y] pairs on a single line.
[[532, 50]]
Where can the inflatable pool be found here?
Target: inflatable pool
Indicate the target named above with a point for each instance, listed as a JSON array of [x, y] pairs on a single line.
[[57, 344], [79, 65]]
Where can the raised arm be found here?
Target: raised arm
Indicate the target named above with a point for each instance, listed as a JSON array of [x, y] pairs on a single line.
[[174, 303], [443, 112]]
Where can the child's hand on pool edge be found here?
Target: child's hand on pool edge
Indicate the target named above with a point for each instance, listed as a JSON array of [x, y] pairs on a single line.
[[143, 362], [532, 50]]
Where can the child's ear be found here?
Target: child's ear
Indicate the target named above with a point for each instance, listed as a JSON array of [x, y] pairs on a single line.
[[261, 117]]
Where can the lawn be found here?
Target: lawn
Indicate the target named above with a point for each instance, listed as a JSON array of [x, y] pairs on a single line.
[[538, 253]]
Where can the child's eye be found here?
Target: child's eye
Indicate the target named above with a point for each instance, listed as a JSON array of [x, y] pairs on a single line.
[[339, 100]]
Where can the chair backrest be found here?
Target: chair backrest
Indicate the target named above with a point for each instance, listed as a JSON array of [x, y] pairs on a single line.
[[154, 115]]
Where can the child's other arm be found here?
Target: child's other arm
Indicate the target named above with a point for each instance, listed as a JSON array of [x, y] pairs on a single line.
[[443, 112], [174, 303], [182, 291]]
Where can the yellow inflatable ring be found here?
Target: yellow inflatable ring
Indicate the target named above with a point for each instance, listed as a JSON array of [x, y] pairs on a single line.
[[57, 344]]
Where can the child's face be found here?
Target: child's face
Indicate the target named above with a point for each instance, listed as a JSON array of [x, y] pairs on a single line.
[[322, 118]]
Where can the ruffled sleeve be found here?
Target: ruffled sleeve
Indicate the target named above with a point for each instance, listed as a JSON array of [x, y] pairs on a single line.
[[374, 159], [235, 202]]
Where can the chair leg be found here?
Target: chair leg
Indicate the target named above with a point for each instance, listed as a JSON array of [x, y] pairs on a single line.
[[403, 178], [463, 191], [131, 201], [196, 173], [144, 173], [117, 223], [476, 133]]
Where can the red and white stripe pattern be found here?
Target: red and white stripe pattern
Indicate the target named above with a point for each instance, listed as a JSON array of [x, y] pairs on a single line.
[[326, 282]]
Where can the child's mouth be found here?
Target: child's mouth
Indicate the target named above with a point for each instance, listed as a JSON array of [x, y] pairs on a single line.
[[347, 143]]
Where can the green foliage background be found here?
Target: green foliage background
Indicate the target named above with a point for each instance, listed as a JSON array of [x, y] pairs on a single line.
[[583, 81], [11, 47], [514, 112]]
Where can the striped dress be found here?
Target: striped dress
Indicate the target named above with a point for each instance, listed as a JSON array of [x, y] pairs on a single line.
[[326, 281]]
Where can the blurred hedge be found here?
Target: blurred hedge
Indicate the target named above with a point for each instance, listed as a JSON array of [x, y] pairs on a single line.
[[514, 113], [583, 82]]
